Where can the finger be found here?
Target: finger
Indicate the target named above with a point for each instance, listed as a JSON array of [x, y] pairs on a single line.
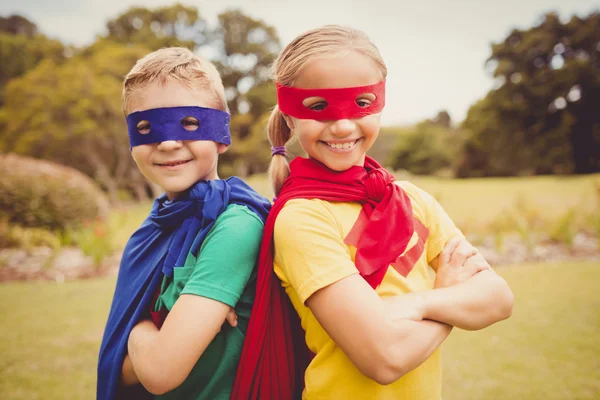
[[448, 250], [479, 259], [232, 317], [475, 269], [463, 251]]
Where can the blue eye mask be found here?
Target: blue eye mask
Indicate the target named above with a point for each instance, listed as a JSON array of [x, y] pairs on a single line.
[[164, 124]]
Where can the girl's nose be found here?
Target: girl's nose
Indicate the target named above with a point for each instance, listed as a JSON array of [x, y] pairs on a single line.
[[343, 127]]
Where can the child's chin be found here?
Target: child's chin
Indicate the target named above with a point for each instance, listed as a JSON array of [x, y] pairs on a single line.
[[176, 188], [338, 167]]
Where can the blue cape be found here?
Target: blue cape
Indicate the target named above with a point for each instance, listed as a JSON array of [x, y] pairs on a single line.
[[172, 230]]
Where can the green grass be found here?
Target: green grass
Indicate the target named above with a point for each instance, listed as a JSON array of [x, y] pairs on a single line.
[[472, 203], [549, 349], [50, 338], [476, 202]]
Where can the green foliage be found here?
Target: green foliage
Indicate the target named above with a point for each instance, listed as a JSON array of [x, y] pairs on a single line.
[[250, 151], [71, 114], [542, 118], [426, 148], [247, 47], [21, 53], [93, 238], [15, 236], [175, 25], [18, 25], [564, 228], [387, 140], [241, 47], [36, 193]]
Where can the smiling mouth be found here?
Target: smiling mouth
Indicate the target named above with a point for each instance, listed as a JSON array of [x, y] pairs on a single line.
[[342, 146], [172, 163]]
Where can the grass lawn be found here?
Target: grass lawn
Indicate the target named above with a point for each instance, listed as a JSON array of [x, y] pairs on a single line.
[[476, 202], [471, 203], [549, 349]]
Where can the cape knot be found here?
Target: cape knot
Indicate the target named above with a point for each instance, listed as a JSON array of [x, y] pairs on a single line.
[[376, 183]]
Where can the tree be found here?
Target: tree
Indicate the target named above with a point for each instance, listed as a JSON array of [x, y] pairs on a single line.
[[18, 25], [543, 116], [246, 49], [426, 148], [242, 49], [72, 114], [175, 25], [22, 48]]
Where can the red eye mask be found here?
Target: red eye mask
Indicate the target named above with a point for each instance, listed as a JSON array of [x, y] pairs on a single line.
[[341, 103]]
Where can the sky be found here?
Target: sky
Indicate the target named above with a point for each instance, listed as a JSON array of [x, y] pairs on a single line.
[[435, 50]]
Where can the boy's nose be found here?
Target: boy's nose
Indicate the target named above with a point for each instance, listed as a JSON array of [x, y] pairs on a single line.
[[170, 145], [343, 127]]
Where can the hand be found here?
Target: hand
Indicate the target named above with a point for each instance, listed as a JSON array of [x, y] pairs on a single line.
[[232, 317], [405, 306], [128, 375], [141, 328], [458, 262]]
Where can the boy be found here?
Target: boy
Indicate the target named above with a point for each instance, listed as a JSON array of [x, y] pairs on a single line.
[[191, 261]]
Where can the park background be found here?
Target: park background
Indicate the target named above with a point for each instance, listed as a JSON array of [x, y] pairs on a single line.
[[492, 107]]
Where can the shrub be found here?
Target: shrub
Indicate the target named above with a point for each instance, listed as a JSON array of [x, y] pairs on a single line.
[[35, 193]]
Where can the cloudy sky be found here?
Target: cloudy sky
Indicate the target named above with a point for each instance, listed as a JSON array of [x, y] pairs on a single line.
[[435, 49]]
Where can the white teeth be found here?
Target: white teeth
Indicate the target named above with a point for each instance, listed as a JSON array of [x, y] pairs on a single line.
[[340, 146]]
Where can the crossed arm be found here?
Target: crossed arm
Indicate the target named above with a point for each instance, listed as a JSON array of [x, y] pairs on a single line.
[[386, 338], [164, 358]]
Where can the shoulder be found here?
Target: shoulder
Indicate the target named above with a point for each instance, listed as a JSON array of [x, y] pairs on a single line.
[[304, 212], [423, 203], [235, 228], [414, 192], [239, 220]]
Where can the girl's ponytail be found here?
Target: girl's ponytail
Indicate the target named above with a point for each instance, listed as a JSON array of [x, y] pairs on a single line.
[[279, 135]]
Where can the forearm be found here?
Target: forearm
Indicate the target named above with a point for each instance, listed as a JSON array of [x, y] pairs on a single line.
[[152, 367], [163, 359], [413, 342], [474, 304], [128, 375]]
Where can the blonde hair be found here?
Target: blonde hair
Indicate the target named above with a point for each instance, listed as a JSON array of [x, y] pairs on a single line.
[[326, 41], [174, 64]]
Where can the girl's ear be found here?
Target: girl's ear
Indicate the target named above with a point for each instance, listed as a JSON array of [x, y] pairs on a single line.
[[289, 121]]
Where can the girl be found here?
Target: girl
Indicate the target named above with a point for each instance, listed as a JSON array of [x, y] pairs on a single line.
[[351, 247]]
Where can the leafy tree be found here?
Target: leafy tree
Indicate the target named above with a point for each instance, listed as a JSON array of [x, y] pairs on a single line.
[[71, 114], [22, 48], [246, 49], [426, 148], [242, 49], [18, 25], [175, 25], [543, 116]]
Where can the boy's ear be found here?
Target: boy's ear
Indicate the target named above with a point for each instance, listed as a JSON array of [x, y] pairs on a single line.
[[222, 148], [289, 121]]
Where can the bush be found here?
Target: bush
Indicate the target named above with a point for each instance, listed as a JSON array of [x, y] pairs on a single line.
[[35, 193], [426, 149], [14, 236]]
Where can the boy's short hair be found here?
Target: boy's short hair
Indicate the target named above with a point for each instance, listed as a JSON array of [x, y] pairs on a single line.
[[174, 64]]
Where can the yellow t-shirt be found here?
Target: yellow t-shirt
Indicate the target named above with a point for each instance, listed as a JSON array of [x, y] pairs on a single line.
[[310, 254]]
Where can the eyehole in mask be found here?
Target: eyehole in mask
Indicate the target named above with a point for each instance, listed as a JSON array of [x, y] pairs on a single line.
[[190, 124], [143, 127]]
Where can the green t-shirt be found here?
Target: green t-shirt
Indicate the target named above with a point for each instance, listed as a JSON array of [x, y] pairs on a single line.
[[224, 271]]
